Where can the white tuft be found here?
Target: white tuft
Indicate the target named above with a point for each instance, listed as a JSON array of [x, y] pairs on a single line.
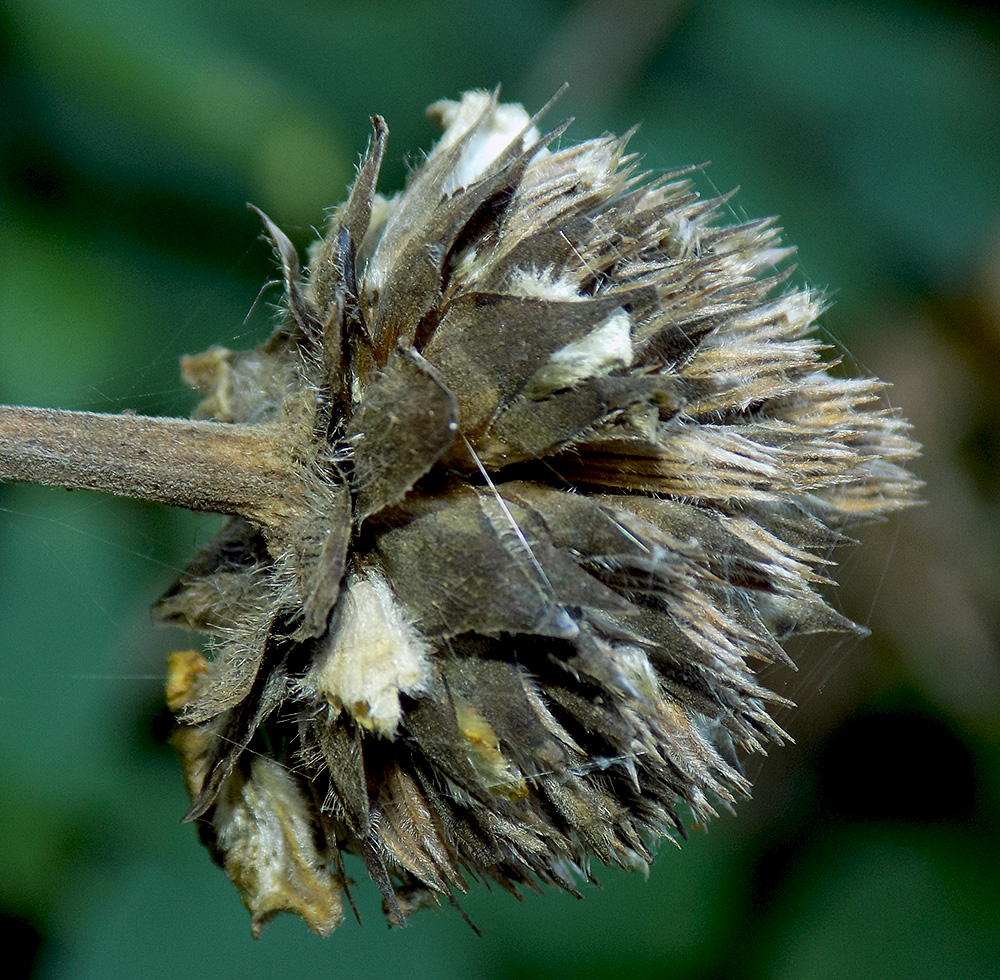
[[605, 348], [372, 655], [496, 130], [544, 284]]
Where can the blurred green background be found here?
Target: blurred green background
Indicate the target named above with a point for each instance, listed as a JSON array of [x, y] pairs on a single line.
[[131, 134]]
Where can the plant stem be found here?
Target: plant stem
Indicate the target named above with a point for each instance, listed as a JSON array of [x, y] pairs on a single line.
[[210, 466]]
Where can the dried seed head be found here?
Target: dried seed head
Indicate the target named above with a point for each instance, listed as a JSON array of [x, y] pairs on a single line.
[[536, 470]]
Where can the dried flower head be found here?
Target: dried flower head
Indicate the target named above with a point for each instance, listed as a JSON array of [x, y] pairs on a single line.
[[536, 469]]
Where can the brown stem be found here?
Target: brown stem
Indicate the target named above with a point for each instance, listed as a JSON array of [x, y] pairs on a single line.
[[211, 466]]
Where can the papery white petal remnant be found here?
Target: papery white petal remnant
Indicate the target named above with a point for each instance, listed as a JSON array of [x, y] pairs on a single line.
[[371, 656], [606, 347], [484, 128], [265, 831]]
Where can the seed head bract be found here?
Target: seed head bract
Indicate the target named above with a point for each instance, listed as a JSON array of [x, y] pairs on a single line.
[[541, 464]]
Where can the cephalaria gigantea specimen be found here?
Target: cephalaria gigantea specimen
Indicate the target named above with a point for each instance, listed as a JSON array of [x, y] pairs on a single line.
[[540, 464]]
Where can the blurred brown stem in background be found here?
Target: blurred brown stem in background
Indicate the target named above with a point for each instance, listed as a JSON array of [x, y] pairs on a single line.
[[602, 46]]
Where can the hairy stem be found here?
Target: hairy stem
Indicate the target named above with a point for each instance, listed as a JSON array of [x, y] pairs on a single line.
[[211, 466]]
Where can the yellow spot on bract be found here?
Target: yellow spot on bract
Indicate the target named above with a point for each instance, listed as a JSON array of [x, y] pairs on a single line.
[[183, 669], [501, 778], [477, 730]]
